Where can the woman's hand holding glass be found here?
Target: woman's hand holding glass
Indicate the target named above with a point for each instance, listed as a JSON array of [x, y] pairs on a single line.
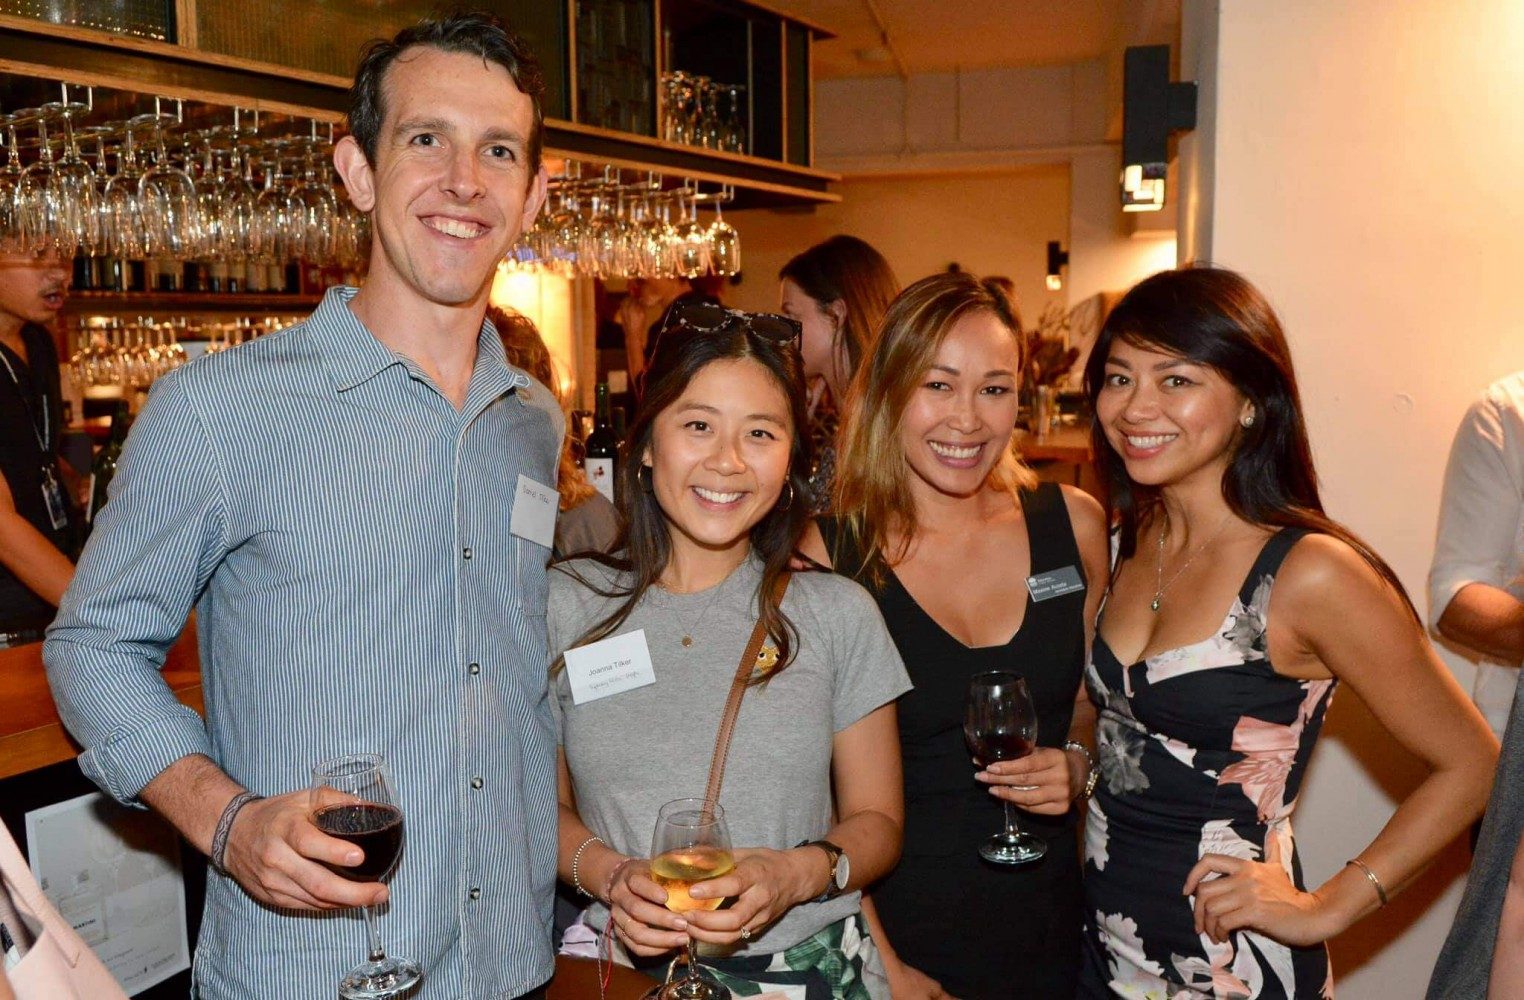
[[1045, 782], [765, 884], [640, 915]]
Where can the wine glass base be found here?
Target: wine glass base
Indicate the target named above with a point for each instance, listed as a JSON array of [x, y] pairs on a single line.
[[700, 985], [380, 980], [1013, 848]]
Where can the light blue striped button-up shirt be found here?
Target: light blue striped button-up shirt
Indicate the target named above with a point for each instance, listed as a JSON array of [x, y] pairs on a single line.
[[343, 532]]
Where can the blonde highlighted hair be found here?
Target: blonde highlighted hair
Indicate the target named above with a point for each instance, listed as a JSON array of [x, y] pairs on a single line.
[[526, 350], [872, 492]]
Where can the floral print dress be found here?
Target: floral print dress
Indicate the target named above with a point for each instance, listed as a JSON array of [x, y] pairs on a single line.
[[1202, 751]]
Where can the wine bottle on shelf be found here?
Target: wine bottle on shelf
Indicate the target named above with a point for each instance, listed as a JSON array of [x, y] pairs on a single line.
[[601, 450], [104, 466]]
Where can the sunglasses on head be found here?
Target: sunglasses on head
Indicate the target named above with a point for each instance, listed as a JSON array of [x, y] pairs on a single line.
[[710, 317]]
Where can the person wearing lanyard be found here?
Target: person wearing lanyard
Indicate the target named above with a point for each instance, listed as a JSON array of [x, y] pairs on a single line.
[[36, 519]]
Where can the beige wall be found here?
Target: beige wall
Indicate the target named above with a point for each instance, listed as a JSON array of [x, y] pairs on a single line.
[[989, 223], [982, 168], [1363, 170]]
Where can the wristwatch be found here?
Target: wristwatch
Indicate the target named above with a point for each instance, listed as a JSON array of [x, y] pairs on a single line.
[[841, 868]]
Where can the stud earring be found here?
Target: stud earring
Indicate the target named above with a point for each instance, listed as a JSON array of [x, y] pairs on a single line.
[[1247, 420]]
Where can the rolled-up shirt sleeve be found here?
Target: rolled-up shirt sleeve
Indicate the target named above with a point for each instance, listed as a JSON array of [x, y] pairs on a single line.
[[154, 545], [1479, 511]]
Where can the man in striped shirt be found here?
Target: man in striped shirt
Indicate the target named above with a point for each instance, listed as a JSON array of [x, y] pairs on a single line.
[[336, 500]]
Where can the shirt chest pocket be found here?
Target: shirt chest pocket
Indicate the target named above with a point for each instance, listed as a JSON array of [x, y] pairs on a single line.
[[530, 560]]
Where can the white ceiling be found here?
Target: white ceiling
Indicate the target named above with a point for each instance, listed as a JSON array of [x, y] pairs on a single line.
[[928, 36]]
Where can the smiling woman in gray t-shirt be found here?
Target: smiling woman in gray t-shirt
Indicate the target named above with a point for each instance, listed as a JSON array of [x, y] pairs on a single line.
[[812, 790]]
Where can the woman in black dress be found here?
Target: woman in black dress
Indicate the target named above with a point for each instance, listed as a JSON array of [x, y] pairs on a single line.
[[938, 518]]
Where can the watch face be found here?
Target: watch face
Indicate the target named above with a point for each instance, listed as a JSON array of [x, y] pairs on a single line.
[[843, 871]]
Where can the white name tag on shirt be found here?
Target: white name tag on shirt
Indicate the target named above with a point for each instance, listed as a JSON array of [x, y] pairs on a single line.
[[534, 512], [609, 666], [1046, 586]]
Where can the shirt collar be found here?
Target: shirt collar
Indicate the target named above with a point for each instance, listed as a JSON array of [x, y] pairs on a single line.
[[354, 355]]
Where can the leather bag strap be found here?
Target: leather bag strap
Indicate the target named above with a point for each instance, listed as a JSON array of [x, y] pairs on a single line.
[[738, 688]]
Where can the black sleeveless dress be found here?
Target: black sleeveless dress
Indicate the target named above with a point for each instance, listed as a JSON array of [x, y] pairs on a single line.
[[982, 930], [1202, 750]]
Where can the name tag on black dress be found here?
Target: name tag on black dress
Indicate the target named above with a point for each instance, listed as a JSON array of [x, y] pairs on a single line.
[[1057, 583]]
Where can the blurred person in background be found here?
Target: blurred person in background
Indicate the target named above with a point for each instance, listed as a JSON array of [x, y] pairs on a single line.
[[838, 291], [643, 313], [587, 521], [1476, 583], [1475, 586], [38, 520]]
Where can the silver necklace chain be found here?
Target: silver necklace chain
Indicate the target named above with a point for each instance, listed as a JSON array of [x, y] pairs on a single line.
[[1159, 585]]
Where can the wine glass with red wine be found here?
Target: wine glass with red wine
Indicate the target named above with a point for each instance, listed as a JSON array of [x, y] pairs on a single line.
[[353, 800], [1001, 724]]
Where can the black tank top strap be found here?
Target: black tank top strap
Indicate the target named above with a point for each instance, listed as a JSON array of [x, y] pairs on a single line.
[[1050, 533], [1277, 547]]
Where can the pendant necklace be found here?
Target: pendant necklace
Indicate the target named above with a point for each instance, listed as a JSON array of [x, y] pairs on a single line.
[[688, 629], [1159, 585]]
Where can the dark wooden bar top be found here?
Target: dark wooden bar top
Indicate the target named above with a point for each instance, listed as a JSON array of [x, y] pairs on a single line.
[[31, 734]]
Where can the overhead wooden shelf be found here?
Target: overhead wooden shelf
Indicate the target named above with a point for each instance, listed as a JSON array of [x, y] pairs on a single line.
[[82, 56], [191, 302]]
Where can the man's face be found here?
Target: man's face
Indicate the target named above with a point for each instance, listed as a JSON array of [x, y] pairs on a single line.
[[32, 289], [451, 188]]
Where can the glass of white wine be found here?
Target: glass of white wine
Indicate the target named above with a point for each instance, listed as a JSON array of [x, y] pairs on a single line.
[[691, 844]]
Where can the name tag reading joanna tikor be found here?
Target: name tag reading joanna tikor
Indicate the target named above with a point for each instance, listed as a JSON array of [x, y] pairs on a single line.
[[609, 666], [1045, 586]]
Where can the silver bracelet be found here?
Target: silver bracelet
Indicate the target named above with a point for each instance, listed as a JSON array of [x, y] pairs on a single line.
[[1370, 876], [577, 865], [1090, 778], [225, 826]]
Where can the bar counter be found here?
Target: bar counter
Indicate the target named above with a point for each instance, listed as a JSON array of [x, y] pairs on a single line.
[[31, 734]]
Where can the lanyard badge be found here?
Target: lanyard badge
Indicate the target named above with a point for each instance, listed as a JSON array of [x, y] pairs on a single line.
[[53, 499]]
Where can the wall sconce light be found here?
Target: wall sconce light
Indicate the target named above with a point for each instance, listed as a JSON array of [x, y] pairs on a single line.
[[1058, 259], [1152, 109]]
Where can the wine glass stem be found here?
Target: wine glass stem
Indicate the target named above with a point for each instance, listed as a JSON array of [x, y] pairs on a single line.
[[1012, 828], [377, 954], [692, 958]]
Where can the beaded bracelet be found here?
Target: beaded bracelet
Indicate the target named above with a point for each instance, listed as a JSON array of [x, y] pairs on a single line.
[[225, 827], [576, 870], [1093, 774], [1371, 876]]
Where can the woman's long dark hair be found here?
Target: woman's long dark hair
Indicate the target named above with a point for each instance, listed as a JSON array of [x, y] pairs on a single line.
[[644, 545], [1215, 317]]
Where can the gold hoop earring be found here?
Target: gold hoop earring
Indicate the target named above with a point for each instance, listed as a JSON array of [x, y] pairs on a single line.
[[786, 504], [646, 483]]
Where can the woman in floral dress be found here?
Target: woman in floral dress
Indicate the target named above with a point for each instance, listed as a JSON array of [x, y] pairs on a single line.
[[1210, 704]]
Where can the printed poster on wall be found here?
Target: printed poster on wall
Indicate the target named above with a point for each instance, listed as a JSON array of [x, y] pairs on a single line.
[[114, 874]]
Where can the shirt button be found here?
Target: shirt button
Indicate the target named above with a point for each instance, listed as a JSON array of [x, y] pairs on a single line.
[[474, 669], [477, 782], [465, 553], [475, 893]]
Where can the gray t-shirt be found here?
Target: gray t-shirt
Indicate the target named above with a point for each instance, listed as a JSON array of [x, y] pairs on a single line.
[[629, 753]]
